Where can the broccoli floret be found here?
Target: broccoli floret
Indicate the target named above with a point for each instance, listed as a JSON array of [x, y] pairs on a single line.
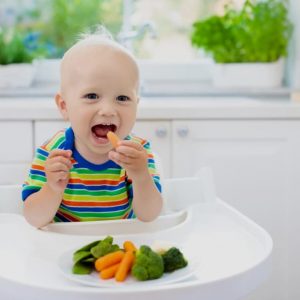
[[148, 264], [173, 260], [104, 247]]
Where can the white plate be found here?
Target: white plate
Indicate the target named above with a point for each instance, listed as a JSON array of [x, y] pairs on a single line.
[[65, 264]]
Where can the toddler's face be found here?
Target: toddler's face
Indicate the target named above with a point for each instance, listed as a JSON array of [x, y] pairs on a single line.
[[99, 93]]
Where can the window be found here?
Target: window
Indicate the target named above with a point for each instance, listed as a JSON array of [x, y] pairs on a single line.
[[52, 26], [163, 27], [158, 32]]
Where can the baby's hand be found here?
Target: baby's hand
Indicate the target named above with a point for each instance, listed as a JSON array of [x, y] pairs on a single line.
[[57, 167], [132, 157]]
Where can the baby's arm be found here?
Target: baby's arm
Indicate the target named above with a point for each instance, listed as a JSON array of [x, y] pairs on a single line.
[[147, 200], [41, 207]]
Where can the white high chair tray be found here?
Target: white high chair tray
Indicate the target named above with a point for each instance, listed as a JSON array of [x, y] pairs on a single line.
[[232, 253]]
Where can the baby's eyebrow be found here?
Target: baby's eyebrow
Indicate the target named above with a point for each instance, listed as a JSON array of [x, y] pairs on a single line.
[[92, 87], [91, 90]]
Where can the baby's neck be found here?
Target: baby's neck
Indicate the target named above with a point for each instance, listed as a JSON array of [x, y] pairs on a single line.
[[97, 160], [91, 157]]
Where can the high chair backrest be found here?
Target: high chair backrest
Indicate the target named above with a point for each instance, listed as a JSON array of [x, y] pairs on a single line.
[[10, 199], [179, 193]]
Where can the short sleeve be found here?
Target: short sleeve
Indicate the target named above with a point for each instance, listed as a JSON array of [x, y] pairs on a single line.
[[152, 167], [36, 177]]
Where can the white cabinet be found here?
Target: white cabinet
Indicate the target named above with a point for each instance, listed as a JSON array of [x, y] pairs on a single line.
[[15, 151], [254, 165], [44, 130], [158, 133], [16, 141]]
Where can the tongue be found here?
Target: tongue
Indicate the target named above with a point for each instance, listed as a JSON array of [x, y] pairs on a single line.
[[101, 130]]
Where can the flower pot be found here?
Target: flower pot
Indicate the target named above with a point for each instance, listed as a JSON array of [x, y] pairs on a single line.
[[248, 75], [47, 70], [16, 75]]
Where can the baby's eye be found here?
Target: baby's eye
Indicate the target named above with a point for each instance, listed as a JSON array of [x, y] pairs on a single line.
[[123, 98], [91, 96]]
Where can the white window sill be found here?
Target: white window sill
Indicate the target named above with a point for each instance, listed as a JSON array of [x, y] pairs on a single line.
[[158, 79], [166, 89]]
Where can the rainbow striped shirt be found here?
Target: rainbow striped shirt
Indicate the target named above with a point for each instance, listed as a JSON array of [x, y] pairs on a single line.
[[94, 192]]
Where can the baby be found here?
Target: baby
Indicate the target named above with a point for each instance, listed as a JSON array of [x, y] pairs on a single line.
[[77, 175]]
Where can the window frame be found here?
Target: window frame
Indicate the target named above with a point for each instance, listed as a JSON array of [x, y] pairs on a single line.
[[169, 71]]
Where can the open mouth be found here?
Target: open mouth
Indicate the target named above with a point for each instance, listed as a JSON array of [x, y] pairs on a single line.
[[100, 130]]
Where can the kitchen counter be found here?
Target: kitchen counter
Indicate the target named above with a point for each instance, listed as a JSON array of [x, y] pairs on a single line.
[[168, 108]]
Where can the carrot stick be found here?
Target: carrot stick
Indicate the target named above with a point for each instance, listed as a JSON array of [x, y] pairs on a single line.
[[125, 266], [113, 138], [108, 260], [109, 272], [129, 246]]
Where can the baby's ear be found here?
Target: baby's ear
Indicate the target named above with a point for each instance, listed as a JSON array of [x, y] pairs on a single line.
[[62, 106]]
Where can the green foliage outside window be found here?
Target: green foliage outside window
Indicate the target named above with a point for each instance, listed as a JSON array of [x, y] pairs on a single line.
[[52, 26], [259, 32], [56, 24], [67, 19], [12, 47]]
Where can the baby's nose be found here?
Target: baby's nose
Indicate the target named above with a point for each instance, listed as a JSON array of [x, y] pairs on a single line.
[[106, 108]]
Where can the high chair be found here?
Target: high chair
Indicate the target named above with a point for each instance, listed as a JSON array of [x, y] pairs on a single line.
[[229, 255], [10, 199]]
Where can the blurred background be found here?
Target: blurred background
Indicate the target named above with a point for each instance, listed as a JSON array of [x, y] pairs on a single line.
[[168, 36], [51, 26]]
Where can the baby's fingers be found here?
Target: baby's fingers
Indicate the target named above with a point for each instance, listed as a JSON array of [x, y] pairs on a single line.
[[128, 151], [59, 160], [118, 158], [130, 144], [61, 175], [60, 152], [58, 166]]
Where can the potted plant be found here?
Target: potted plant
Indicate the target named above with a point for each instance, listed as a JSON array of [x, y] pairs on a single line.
[[247, 45], [16, 69]]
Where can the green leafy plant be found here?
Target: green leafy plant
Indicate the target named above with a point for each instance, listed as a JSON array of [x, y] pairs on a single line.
[[13, 48], [50, 27], [259, 32], [66, 20]]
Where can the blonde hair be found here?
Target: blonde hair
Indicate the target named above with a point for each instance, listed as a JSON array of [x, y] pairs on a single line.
[[98, 33]]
